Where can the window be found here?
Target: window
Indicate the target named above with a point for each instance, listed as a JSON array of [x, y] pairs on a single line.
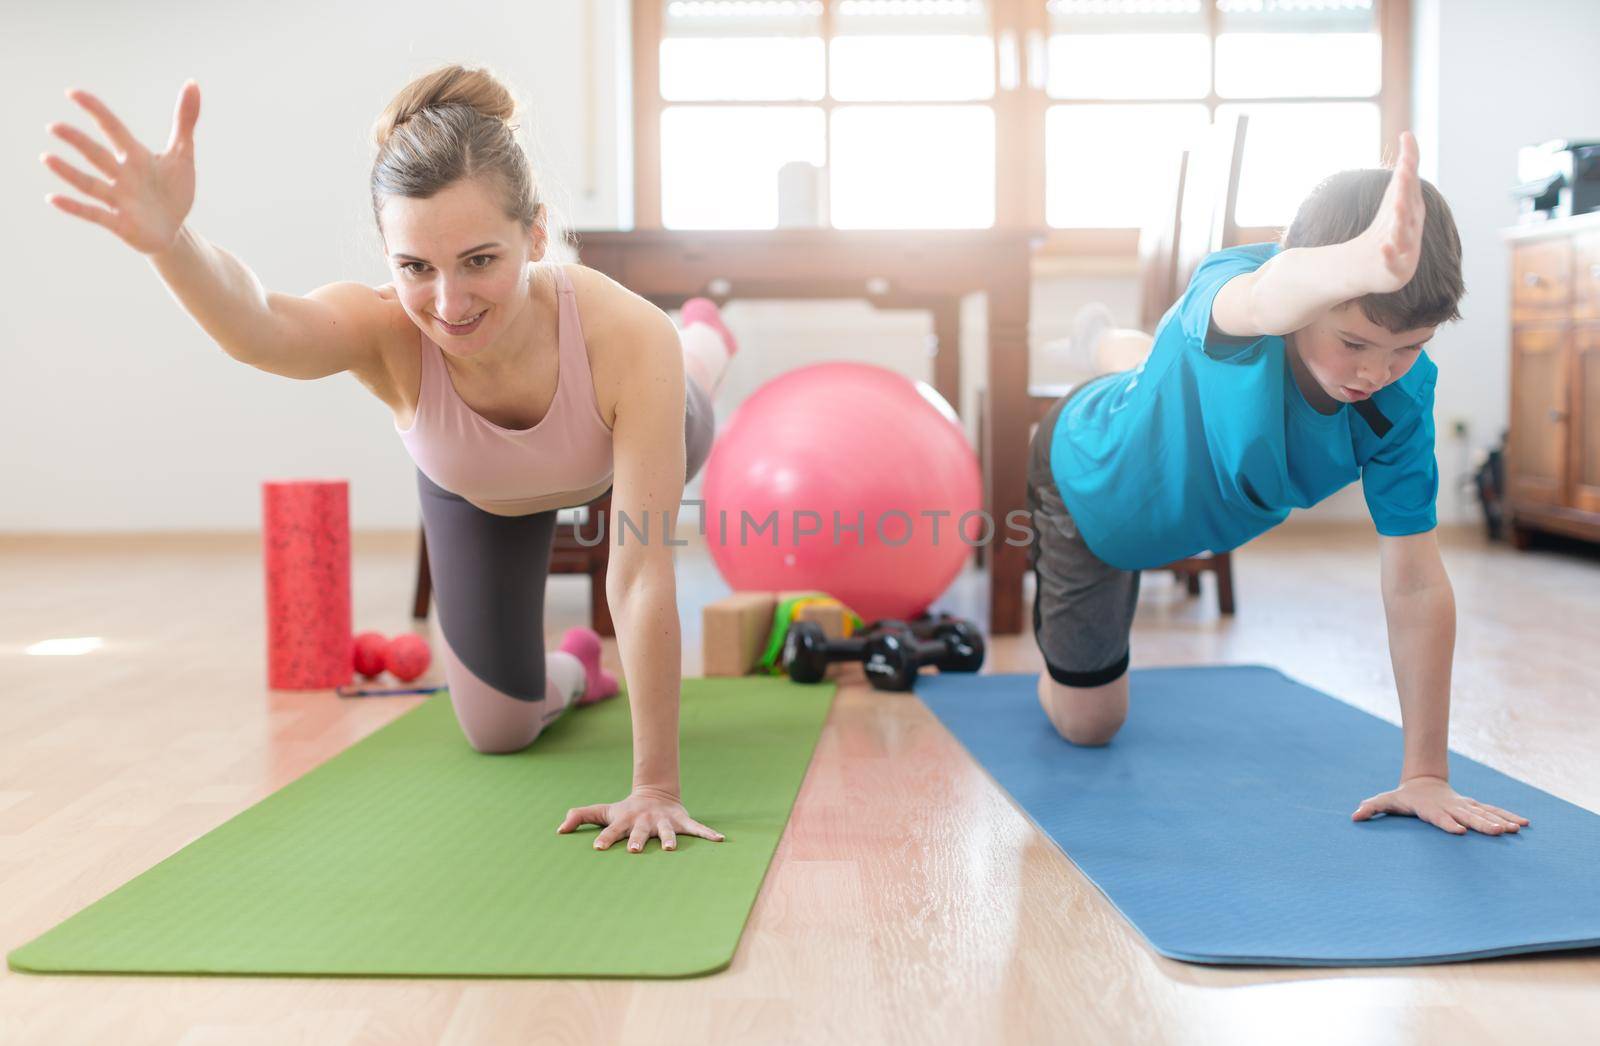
[[971, 113], [892, 101], [1128, 81]]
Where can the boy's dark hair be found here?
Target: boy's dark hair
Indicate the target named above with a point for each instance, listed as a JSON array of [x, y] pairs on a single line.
[[1342, 207]]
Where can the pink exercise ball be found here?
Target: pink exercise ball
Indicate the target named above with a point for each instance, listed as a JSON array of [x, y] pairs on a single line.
[[874, 446]]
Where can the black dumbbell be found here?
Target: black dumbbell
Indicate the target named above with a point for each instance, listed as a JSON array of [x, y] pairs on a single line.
[[807, 650], [946, 627], [891, 658]]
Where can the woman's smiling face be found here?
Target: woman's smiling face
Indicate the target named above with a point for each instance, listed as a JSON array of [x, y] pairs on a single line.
[[457, 259]]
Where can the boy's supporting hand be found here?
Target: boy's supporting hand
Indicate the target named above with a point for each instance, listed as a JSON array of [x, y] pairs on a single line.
[[1390, 247], [1432, 799]]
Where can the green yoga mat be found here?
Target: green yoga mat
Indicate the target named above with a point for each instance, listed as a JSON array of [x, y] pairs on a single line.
[[410, 854]]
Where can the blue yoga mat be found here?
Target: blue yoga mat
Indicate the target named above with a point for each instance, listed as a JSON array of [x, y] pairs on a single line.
[[1218, 823]]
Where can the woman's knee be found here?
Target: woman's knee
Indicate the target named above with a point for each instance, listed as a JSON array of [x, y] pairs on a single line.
[[494, 726], [494, 721], [502, 742], [1087, 716]]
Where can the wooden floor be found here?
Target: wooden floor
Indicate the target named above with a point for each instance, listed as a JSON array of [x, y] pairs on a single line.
[[909, 900]]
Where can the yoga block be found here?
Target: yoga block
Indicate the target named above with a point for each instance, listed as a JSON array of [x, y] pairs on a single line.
[[734, 632], [829, 618]]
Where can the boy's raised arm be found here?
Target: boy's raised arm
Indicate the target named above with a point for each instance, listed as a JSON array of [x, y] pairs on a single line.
[[1297, 285]]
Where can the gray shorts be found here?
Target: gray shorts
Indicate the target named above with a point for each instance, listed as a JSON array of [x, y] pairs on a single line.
[[1083, 608]]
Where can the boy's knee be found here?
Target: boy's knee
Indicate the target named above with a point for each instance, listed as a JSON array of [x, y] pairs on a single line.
[[1090, 731], [1089, 717]]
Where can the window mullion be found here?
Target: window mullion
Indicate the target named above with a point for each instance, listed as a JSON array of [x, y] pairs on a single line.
[[827, 104], [1018, 115], [1213, 21]]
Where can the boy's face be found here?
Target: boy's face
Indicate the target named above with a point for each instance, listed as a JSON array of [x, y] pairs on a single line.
[[1351, 357]]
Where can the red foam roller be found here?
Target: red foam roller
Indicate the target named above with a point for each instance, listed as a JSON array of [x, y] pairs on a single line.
[[305, 528]]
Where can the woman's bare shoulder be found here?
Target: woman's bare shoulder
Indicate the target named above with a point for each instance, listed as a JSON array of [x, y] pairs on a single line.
[[396, 365], [632, 344], [614, 318], [396, 327]]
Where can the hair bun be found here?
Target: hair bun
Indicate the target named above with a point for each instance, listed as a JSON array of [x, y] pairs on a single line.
[[476, 89]]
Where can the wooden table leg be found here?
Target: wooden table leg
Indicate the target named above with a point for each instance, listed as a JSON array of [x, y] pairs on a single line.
[[1005, 441], [599, 607], [422, 595], [1225, 582], [599, 561], [947, 359]]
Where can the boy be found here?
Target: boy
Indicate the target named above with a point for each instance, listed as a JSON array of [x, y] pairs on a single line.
[[1281, 375]]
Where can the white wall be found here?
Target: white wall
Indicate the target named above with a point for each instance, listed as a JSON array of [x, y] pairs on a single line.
[[1493, 75], [116, 411], [119, 414]]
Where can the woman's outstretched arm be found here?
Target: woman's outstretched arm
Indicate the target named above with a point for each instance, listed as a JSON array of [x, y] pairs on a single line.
[[143, 198]]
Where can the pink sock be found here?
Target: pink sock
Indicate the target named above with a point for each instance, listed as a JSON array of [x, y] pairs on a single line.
[[584, 644], [704, 310]]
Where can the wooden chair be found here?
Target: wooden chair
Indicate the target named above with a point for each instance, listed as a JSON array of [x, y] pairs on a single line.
[[1206, 223], [1158, 246], [579, 547], [1210, 196]]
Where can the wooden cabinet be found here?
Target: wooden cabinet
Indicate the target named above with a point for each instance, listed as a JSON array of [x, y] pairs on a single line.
[[1553, 449], [1541, 279], [1585, 443], [1538, 449]]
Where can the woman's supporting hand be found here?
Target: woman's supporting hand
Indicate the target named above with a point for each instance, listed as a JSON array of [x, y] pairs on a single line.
[[146, 195], [643, 814]]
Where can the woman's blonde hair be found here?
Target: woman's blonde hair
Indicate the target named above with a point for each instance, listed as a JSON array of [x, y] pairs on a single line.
[[450, 124]]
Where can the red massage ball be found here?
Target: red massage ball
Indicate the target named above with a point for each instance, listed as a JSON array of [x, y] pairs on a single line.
[[370, 650], [408, 656]]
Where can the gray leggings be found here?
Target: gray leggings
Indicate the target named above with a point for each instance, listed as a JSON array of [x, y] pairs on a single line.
[[489, 576]]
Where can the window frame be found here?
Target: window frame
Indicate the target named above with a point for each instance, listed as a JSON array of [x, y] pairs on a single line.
[[1018, 27]]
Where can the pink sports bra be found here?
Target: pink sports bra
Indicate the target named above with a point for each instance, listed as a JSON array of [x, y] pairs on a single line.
[[562, 461]]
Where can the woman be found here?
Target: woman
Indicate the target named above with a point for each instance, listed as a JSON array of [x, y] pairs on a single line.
[[519, 388]]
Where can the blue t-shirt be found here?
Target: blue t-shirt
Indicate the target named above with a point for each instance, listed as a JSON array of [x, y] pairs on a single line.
[[1208, 443]]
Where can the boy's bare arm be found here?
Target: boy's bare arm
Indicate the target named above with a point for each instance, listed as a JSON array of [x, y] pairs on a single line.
[[1421, 611], [1289, 292], [1296, 286]]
